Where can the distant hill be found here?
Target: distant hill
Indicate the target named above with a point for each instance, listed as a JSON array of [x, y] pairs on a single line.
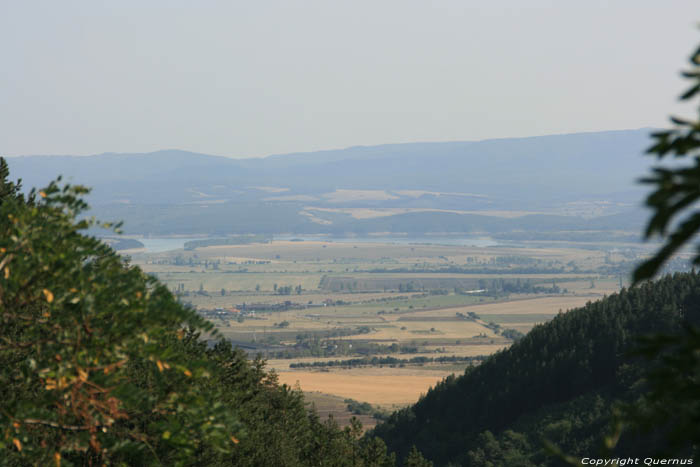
[[588, 173], [559, 382]]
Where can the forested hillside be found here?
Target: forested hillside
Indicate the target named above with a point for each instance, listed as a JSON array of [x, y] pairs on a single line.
[[559, 383]]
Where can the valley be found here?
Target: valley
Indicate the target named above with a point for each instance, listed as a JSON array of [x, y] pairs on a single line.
[[375, 320]]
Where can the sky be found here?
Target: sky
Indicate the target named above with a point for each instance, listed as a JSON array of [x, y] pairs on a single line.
[[259, 77]]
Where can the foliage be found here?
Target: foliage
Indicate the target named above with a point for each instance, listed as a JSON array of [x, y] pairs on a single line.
[[416, 459], [75, 320], [671, 403], [365, 408], [388, 360], [672, 400], [676, 190]]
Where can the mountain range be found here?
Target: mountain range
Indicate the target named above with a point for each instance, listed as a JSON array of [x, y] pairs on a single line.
[[481, 186]]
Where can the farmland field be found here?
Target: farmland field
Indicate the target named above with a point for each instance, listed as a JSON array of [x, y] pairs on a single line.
[[382, 388], [380, 322]]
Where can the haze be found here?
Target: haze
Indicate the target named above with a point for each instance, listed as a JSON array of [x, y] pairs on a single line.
[[255, 78]]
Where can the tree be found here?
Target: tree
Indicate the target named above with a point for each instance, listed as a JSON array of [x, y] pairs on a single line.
[[671, 403], [416, 459], [675, 190], [92, 368]]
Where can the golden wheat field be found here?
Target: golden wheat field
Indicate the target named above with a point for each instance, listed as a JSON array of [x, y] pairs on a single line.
[[384, 388]]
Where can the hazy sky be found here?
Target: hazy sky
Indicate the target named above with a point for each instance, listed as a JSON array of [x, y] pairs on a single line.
[[258, 77]]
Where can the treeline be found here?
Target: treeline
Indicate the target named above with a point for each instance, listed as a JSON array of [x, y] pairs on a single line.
[[376, 361], [512, 334], [526, 287], [320, 344], [560, 381], [443, 285], [287, 289]]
